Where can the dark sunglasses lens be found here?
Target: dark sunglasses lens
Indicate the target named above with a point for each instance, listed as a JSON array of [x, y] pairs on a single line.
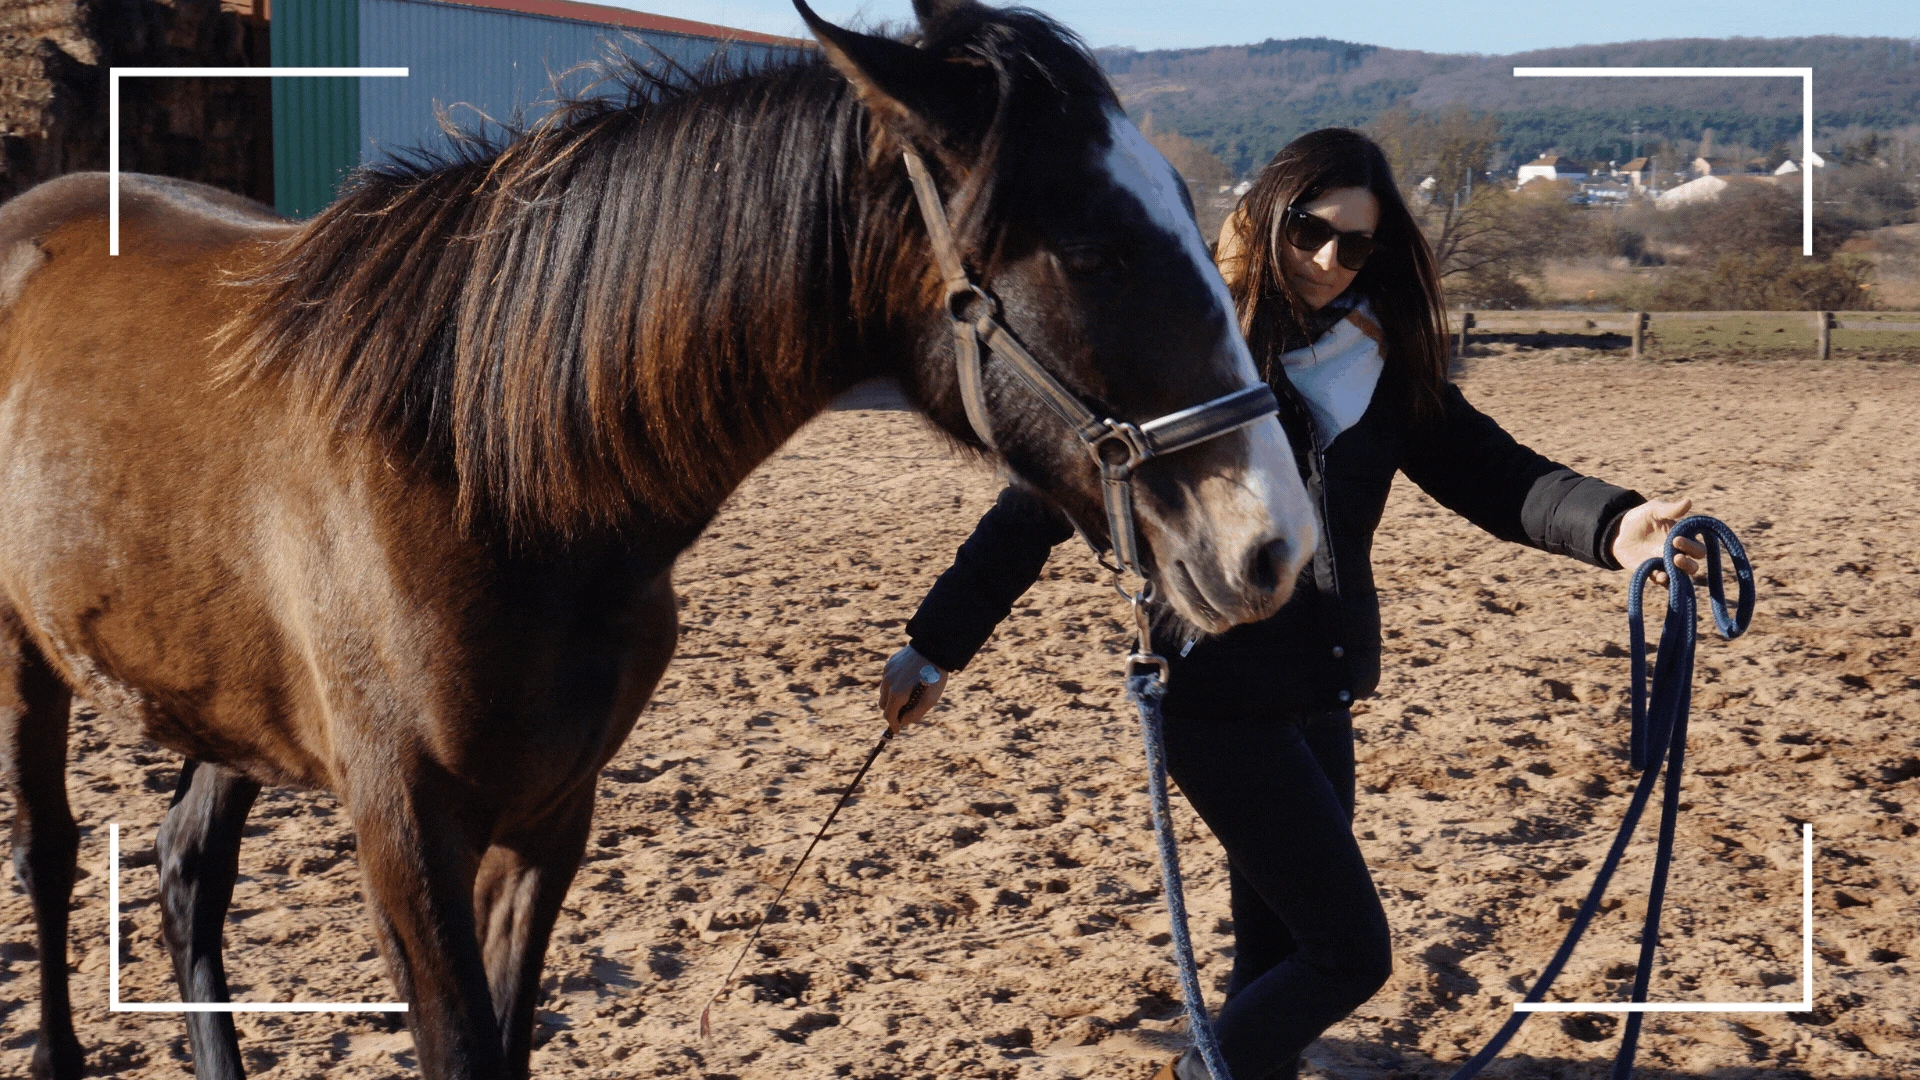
[[1307, 232], [1354, 250]]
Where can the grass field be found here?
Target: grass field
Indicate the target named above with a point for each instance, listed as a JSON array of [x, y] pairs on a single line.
[[1786, 333], [1790, 331]]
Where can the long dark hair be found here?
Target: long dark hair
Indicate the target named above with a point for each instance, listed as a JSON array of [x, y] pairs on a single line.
[[1400, 280]]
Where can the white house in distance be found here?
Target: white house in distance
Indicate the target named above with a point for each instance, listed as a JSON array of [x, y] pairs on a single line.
[[1607, 191], [1706, 189], [1551, 167], [1638, 172], [1788, 168]]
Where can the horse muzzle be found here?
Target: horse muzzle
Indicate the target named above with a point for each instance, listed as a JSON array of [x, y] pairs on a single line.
[[1243, 534]]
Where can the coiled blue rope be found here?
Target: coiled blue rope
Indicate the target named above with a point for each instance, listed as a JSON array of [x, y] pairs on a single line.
[[1659, 721], [1146, 691], [1659, 737]]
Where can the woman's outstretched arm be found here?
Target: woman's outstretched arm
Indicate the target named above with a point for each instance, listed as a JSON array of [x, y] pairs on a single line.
[[1001, 560], [1470, 465]]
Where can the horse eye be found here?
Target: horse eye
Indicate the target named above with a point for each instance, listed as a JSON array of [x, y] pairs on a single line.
[[1088, 259]]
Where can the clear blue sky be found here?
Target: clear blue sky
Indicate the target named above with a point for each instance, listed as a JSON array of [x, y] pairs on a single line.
[[1487, 26]]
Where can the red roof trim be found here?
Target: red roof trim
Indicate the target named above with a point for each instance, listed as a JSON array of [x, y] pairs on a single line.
[[638, 20]]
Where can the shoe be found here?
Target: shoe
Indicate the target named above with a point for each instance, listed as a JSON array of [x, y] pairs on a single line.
[[1166, 1071]]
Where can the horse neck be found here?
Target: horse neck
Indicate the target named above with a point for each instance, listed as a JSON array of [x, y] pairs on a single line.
[[615, 317], [764, 320]]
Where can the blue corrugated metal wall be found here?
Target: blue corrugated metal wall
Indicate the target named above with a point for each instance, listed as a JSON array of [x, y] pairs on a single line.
[[477, 61], [316, 122]]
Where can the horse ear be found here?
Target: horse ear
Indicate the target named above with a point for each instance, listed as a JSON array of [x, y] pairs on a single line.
[[933, 103], [934, 13]]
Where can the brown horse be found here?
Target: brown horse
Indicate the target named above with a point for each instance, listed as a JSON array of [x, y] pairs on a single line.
[[387, 502]]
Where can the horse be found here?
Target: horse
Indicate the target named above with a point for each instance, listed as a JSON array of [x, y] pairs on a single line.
[[387, 502]]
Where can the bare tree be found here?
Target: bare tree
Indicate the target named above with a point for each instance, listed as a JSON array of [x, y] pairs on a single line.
[[1485, 238]]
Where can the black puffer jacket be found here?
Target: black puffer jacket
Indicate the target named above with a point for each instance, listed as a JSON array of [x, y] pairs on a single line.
[[1322, 649]]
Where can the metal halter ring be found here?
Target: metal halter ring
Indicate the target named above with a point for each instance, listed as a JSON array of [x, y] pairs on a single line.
[[1130, 439], [959, 298]]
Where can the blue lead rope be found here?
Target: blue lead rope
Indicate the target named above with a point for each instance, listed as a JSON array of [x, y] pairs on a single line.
[[1659, 736], [1660, 722], [1146, 692]]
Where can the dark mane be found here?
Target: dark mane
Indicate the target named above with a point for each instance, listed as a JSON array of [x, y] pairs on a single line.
[[559, 322]]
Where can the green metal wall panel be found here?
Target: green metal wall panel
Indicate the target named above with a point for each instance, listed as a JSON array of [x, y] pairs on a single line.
[[316, 122]]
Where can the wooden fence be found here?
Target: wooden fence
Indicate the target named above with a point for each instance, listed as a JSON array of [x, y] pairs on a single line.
[[1636, 323]]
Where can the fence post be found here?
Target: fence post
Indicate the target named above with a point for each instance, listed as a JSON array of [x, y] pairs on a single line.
[[1639, 332], [1823, 332], [1466, 324]]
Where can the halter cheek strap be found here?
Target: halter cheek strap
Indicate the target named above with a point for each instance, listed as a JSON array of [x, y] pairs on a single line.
[[1118, 448]]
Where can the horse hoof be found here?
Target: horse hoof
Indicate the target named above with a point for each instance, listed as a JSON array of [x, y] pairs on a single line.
[[62, 1060]]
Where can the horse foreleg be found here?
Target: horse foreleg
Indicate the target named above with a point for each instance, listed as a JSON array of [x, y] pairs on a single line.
[[46, 843], [199, 848], [517, 898], [418, 857], [525, 875]]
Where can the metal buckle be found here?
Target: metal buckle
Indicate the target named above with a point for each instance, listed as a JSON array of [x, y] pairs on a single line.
[[1127, 437], [959, 298], [1148, 660], [1143, 655]]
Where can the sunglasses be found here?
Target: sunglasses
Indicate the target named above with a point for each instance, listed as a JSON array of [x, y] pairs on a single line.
[[1310, 233]]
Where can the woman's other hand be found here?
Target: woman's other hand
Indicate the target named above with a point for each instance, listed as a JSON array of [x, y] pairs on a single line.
[[1643, 535], [908, 672]]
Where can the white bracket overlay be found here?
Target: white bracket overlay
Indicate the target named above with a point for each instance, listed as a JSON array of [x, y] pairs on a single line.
[[1804, 74], [114, 1004], [115, 74], [1805, 1004]]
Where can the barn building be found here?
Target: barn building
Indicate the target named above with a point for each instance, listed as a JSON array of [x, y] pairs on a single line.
[[1638, 173], [1552, 167], [478, 60]]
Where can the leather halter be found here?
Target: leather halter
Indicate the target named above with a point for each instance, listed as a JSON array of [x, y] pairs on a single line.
[[1117, 447]]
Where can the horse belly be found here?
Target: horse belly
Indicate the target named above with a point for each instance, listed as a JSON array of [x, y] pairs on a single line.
[[123, 488]]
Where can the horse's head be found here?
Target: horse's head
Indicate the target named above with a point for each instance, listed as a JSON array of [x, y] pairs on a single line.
[[1084, 238]]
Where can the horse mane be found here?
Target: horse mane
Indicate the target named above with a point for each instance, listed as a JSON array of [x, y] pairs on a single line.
[[618, 312]]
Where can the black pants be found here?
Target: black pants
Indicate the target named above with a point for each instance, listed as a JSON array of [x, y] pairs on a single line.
[[1310, 937]]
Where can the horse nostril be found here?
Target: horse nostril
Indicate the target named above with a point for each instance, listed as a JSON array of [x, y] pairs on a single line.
[[1269, 563]]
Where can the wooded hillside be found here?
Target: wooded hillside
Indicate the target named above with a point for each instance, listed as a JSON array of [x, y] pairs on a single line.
[[1243, 102]]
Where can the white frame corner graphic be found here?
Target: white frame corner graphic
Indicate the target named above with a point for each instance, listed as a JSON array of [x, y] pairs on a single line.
[[115, 74], [1805, 1004], [114, 1004]]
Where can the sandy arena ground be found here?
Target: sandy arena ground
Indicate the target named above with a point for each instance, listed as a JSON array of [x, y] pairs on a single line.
[[989, 907]]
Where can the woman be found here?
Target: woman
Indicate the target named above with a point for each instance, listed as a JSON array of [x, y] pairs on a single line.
[[1340, 301]]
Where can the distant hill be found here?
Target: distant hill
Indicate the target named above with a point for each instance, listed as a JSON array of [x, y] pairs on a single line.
[[1246, 101]]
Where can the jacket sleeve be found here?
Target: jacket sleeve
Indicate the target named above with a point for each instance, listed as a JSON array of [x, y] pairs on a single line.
[[998, 562], [1470, 465]]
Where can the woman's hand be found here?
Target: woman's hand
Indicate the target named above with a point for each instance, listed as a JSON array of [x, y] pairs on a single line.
[[907, 672], [1643, 535]]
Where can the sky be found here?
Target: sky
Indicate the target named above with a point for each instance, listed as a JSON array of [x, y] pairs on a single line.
[[1485, 26]]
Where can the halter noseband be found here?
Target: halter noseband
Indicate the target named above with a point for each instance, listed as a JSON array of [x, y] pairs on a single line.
[[1117, 447]]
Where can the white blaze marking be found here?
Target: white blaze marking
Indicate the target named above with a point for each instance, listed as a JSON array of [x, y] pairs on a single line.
[[1140, 170], [1276, 486], [1268, 495]]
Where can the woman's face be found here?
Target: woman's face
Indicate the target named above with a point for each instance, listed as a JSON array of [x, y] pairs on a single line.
[[1316, 277]]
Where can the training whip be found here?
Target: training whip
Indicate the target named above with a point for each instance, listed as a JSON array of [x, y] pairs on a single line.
[[929, 675]]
